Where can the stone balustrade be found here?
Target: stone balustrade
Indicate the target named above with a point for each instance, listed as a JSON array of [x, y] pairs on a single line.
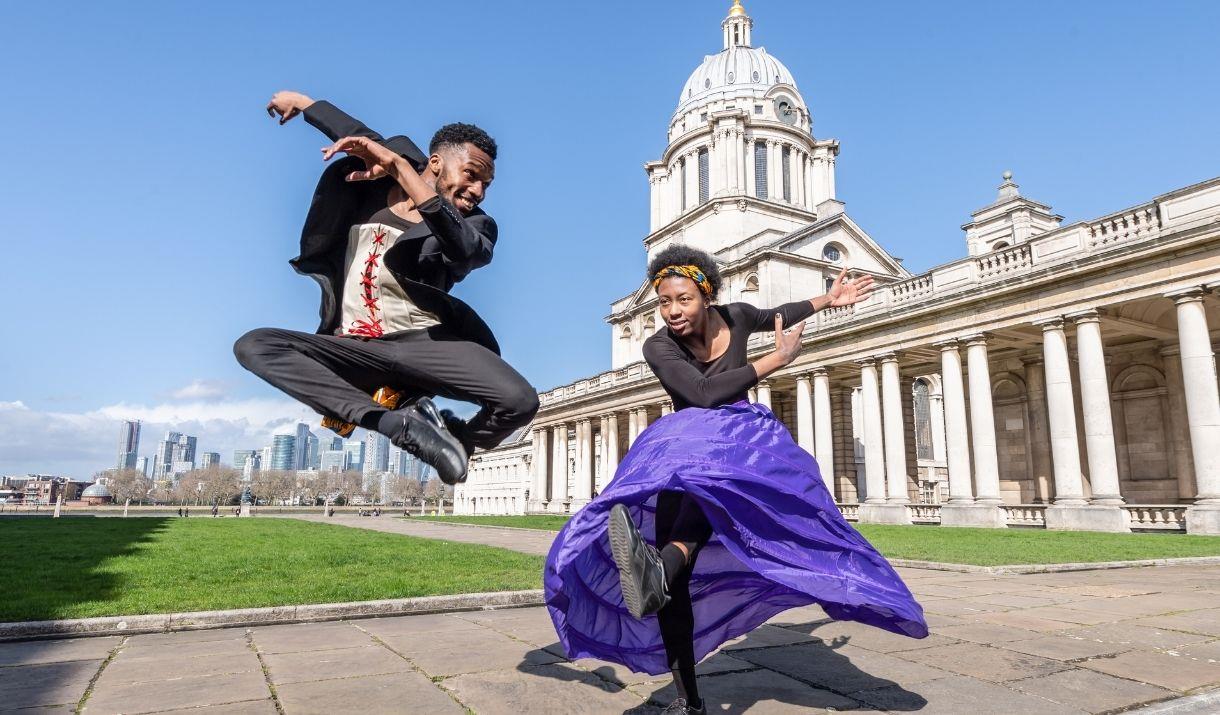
[[1024, 514], [924, 513], [851, 512], [1157, 517]]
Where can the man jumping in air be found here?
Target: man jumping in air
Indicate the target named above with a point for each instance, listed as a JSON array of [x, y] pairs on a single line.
[[388, 233]]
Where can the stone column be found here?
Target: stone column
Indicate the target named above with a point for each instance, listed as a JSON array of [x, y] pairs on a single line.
[[823, 430], [1176, 428], [810, 198], [1095, 400], [584, 464], [667, 408], [804, 413], [539, 487], [1061, 411], [957, 450], [692, 179], [895, 433], [982, 421], [1039, 428], [559, 471], [739, 140], [1202, 409], [874, 445], [641, 419], [818, 180], [764, 393], [633, 427], [610, 448], [1069, 511], [794, 174], [752, 395]]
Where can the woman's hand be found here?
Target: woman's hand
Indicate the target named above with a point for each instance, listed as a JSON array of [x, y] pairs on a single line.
[[787, 342], [378, 161], [846, 291]]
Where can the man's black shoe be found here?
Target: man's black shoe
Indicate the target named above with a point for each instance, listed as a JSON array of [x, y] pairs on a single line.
[[458, 428], [640, 571], [423, 434]]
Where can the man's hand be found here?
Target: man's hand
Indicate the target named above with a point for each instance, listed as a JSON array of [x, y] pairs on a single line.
[[846, 292], [287, 104], [788, 343], [378, 161]]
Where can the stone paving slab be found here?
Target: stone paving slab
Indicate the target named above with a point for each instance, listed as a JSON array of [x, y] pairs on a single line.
[[1158, 639]]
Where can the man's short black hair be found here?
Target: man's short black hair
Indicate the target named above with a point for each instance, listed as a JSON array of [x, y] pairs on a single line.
[[457, 134], [681, 255]]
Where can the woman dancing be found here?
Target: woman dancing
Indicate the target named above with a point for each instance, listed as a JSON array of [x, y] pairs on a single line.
[[743, 525]]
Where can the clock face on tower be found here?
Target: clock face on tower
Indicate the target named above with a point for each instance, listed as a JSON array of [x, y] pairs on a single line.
[[785, 109]]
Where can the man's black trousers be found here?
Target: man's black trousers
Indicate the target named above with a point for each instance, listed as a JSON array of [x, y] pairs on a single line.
[[337, 376]]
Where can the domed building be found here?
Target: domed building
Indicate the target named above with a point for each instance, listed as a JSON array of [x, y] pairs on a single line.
[[97, 494], [1054, 376]]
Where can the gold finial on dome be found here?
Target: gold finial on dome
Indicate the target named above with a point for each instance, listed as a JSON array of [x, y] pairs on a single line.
[[737, 9]]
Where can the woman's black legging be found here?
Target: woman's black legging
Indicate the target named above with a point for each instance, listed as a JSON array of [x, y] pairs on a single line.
[[680, 520]]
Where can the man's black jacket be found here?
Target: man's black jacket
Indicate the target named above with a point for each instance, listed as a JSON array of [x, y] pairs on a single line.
[[426, 260]]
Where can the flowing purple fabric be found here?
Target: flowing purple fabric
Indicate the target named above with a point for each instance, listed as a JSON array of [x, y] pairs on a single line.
[[779, 542]]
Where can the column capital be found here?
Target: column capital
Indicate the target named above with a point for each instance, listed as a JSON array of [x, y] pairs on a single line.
[[946, 345], [1028, 360], [1170, 351], [582, 420], [979, 338], [764, 384], [804, 377], [819, 371], [1191, 294], [667, 404], [1092, 315], [886, 357], [1048, 324], [865, 362]]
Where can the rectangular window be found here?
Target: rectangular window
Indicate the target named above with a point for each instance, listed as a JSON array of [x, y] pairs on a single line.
[[785, 157], [758, 109], [684, 184], [703, 117], [703, 176], [760, 169]]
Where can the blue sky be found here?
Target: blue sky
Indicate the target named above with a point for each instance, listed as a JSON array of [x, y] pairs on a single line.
[[148, 206]]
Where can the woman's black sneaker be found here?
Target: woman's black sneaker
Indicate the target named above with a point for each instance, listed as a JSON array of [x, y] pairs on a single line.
[[640, 571]]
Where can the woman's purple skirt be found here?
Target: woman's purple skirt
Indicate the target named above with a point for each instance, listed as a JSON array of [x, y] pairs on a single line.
[[779, 542]]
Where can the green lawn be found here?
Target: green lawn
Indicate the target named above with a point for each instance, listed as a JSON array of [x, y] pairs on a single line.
[[78, 567], [981, 547]]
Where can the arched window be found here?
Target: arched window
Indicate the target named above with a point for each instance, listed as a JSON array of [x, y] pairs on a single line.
[[998, 246], [923, 420]]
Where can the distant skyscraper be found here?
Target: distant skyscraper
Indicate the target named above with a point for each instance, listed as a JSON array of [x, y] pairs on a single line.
[[333, 460], [163, 460], [209, 459], [241, 456], [301, 457], [184, 451], [312, 454], [143, 466], [283, 452], [376, 453], [336, 443], [355, 452], [129, 444]]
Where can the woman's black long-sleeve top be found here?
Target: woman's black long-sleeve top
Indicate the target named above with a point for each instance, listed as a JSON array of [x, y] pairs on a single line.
[[725, 380]]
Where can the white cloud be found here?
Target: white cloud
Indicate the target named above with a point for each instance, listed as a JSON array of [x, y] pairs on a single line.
[[80, 444], [200, 390]]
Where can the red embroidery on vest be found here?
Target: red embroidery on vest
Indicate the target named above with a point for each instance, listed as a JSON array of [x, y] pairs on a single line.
[[370, 328]]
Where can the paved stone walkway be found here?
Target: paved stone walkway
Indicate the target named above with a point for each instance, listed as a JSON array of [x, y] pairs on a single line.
[[530, 541], [1079, 642]]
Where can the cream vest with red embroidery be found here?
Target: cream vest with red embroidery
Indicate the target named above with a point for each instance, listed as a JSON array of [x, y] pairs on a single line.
[[373, 302]]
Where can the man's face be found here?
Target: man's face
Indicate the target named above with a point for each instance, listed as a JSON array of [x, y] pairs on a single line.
[[463, 175]]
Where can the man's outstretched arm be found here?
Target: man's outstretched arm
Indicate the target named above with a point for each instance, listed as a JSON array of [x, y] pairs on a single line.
[[326, 117]]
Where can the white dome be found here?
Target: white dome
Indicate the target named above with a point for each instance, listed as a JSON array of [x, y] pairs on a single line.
[[97, 489], [736, 71]]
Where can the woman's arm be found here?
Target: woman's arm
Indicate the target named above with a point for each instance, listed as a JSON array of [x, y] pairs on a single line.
[[682, 379]]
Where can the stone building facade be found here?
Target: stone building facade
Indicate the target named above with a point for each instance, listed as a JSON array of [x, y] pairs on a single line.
[[1057, 376]]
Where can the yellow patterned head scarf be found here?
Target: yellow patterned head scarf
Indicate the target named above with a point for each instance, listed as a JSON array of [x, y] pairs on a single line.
[[691, 272]]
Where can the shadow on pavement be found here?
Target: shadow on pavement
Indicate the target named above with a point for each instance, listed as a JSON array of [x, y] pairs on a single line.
[[808, 675]]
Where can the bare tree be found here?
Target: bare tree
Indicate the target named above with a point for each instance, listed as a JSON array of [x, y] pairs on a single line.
[[220, 484], [127, 484]]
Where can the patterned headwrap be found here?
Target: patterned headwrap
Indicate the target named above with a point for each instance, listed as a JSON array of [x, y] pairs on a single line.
[[691, 272]]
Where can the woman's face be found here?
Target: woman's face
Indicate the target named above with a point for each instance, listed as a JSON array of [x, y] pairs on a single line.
[[683, 306]]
